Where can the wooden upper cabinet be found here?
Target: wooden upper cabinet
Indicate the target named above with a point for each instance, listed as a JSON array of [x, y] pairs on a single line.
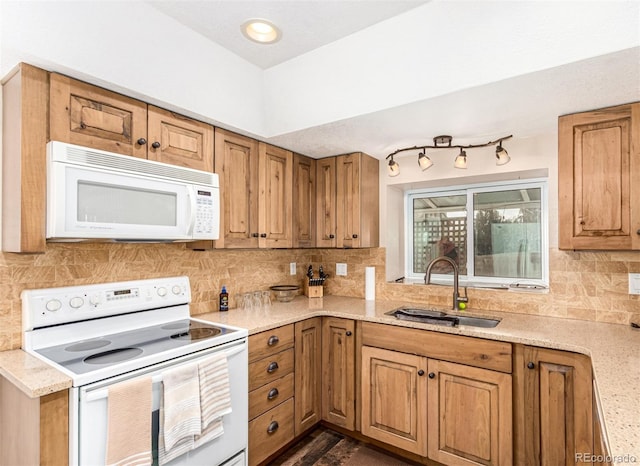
[[236, 162], [94, 117], [326, 202], [469, 415], [304, 201], [357, 188], [179, 140], [554, 403], [275, 215], [598, 166]]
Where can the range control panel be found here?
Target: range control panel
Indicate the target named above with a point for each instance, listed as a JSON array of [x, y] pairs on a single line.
[[53, 306]]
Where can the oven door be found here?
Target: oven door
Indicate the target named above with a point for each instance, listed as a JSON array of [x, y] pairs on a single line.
[[88, 412]]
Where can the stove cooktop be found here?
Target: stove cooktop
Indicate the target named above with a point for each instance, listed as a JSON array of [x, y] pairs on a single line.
[[85, 356]]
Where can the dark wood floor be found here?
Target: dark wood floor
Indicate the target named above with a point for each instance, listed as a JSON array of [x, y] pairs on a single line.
[[324, 447]]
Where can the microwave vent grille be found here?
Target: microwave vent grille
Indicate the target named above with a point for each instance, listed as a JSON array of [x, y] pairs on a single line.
[[130, 164]]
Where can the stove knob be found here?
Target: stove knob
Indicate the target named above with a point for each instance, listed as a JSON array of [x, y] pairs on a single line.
[[176, 289], [76, 302], [162, 291], [53, 305], [95, 300]]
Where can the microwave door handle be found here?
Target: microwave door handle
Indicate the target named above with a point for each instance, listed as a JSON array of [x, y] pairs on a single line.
[[191, 214]]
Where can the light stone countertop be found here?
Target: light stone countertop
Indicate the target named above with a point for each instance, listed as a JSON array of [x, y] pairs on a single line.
[[614, 351]]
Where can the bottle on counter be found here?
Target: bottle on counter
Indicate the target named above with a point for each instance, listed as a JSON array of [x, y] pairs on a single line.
[[224, 299]]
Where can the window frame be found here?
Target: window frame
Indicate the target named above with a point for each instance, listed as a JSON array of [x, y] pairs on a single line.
[[469, 190]]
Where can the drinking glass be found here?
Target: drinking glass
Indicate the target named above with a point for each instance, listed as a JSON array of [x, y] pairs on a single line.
[[266, 299], [257, 300], [247, 302]]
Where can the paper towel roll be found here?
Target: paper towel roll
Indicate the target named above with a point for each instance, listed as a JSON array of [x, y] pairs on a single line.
[[370, 283]]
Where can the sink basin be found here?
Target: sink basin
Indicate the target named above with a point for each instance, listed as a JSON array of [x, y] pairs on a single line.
[[432, 316]]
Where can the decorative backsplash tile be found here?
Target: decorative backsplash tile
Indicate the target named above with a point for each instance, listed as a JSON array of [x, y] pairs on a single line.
[[586, 286]]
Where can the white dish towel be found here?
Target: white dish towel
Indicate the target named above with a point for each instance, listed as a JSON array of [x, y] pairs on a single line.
[[180, 418], [215, 397]]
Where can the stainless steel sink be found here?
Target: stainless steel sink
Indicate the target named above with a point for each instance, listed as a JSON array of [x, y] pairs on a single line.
[[433, 316]]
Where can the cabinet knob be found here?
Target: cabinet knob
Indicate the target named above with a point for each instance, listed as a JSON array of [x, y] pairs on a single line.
[[263, 235], [432, 375], [273, 366], [272, 394], [531, 365], [155, 145], [141, 141], [638, 232], [582, 222], [254, 235], [83, 126], [273, 340], [273, 426], [354, 236], [420, 372], [332, 236], [348, 333]]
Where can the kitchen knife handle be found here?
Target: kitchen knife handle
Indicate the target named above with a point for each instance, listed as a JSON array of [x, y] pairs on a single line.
[[273, 393], [272, 427], [273, 340], [273, 366]]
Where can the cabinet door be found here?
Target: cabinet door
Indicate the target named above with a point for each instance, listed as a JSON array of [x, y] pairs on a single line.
[[357, 201], [599, 161], [304, 201], [94, 117], [236, 162], [275, 215], [394, 395], [326, 202], [179, 140], [338, 377], [469, 415], [308, 373], [554, 409]]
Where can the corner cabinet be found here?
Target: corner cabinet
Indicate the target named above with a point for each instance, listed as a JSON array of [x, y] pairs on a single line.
[[338, 372], [554, 403], [598, 169]]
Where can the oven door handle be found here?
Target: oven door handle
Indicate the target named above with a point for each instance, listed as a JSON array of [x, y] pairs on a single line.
[[104, 393]]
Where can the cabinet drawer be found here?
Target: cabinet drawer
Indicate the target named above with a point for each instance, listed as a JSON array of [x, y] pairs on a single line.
[[487, 354], [270, 342], [272, 394], [270, 432], [270, 369]]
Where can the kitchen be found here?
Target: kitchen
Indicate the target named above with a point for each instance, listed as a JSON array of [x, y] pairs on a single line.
[[234, 98]]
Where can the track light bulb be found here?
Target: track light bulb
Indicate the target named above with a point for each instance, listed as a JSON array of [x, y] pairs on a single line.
[[461, 160], [502, 156], [394, 168], [424, 161]]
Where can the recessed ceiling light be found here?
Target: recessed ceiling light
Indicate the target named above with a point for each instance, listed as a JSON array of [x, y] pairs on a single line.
[[261, 31]]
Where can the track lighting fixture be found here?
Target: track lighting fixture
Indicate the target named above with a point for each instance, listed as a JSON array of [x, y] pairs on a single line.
[[424, 161], [394, 168], [444, 142]]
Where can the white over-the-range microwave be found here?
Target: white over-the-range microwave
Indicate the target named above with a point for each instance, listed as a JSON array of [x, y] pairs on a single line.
[[98, 195]]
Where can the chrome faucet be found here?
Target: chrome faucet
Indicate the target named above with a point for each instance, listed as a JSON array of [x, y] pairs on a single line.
[[457, 299]]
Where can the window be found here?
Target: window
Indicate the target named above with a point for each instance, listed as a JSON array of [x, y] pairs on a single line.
[[497, 233]]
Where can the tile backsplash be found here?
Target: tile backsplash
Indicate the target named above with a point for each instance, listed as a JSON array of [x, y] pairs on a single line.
[[584, 285]]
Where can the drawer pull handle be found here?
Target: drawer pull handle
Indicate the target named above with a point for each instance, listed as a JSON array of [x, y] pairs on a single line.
[[272, 367], [273, 426], [432, 375], [273, 393], [531, 365], [273, 340]]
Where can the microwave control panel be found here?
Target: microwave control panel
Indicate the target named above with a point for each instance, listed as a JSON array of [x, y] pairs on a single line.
[[207, 207]]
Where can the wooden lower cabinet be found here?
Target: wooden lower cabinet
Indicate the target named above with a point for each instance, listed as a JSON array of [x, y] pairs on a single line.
[[554, 404], [469, 415], [338, 372], [394, 398], [308, 372], [270, 431]]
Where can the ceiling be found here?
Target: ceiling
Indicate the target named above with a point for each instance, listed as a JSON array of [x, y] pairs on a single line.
[[306, 24], [525, 105]]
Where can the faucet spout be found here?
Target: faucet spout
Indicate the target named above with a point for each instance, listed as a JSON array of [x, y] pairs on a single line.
[[456, 273]]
